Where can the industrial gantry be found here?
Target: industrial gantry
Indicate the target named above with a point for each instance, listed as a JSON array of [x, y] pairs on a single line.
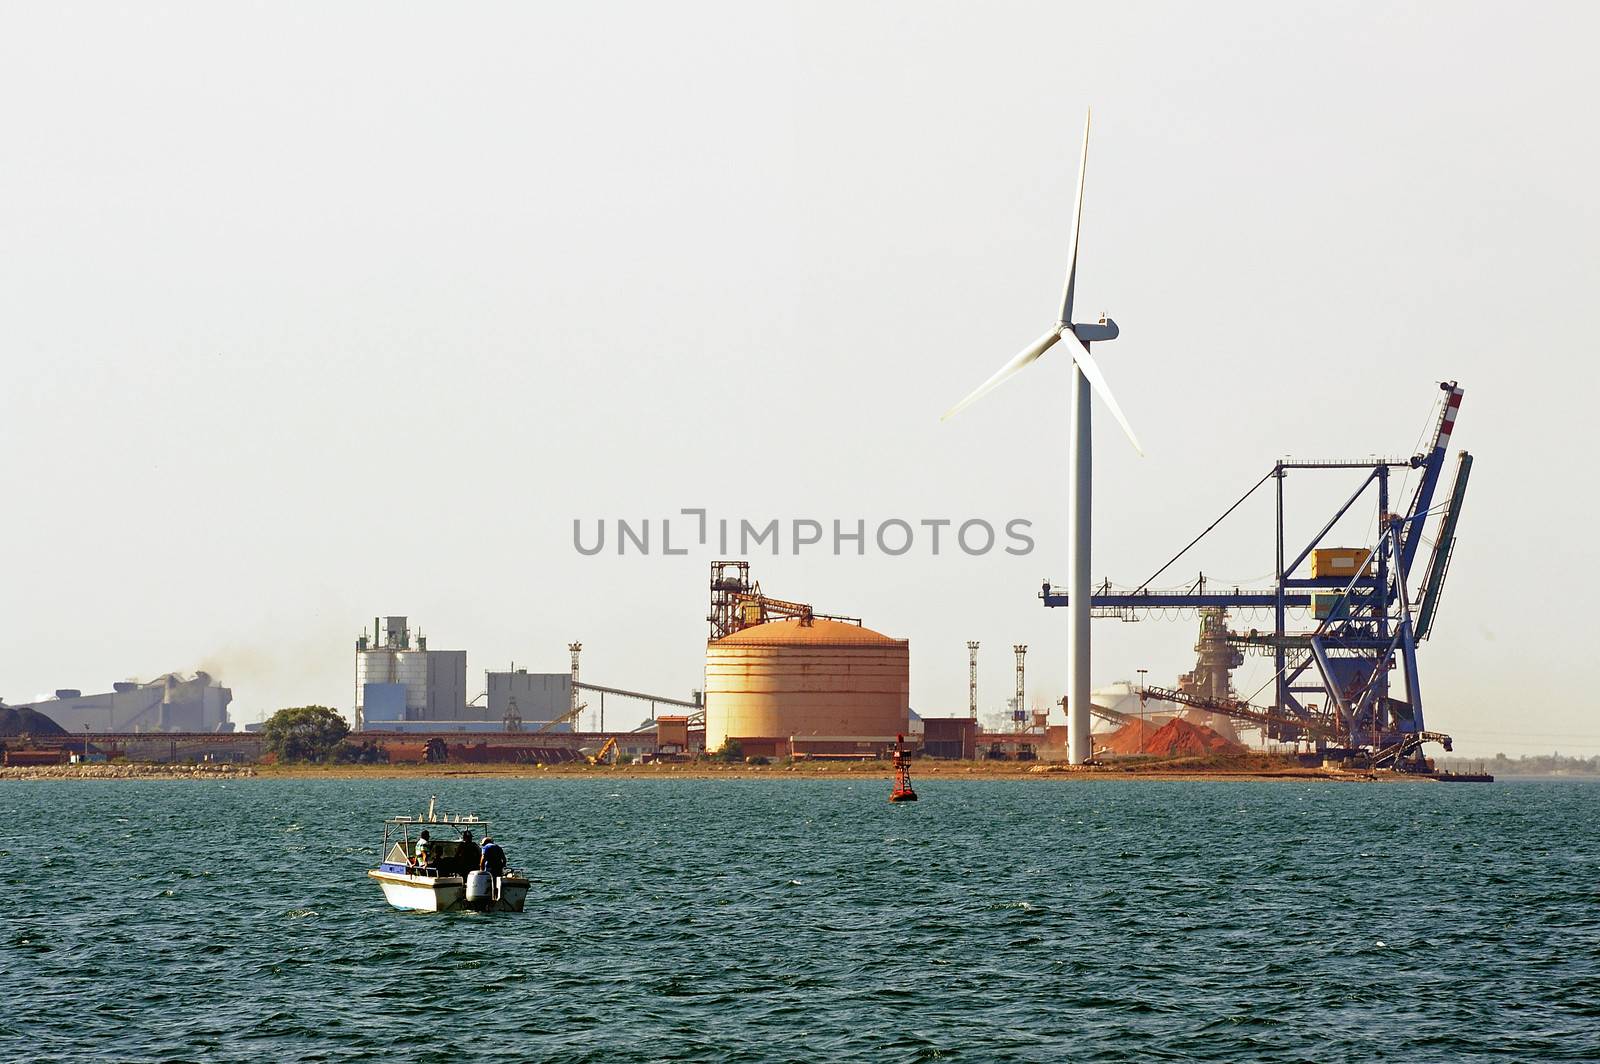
[[1333, 683]]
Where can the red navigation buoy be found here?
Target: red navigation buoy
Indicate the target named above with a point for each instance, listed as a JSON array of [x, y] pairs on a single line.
[[902, 773]]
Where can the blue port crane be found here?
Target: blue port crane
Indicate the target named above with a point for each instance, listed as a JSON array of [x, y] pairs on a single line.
[[1350, 683]]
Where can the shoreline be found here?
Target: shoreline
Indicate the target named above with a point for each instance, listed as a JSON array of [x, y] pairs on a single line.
[[1251, 768]]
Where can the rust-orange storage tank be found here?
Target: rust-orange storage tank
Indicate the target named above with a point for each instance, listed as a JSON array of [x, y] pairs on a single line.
[[806, 679]]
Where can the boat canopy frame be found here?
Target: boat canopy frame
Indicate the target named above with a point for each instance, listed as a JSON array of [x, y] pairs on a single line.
[[399, 827]]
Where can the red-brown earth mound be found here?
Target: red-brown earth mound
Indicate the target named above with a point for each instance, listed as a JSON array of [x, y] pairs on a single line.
[[1175, 738]]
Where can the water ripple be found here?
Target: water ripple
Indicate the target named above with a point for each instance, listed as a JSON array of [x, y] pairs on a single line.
[[763, 920]]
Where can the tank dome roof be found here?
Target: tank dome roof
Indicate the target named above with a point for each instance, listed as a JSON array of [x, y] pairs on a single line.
[[820, 632]]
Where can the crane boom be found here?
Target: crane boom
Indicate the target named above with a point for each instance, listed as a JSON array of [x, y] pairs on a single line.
[[1443, 548], [1268, 719], [570, 715], [1432, 466]]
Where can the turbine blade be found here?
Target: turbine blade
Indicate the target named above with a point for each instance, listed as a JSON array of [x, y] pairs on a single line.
[[1077, 217], [1025, 356], [1097, 381]]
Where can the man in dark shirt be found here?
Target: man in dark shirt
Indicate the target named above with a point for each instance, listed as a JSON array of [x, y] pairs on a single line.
[[494, 858], [468, 854]]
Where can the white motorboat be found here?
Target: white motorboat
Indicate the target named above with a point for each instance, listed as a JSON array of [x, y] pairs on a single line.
[[445, 882]]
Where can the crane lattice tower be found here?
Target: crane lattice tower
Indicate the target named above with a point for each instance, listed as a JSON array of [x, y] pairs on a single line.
[[574, 648], [1019, 714], [972, 679]]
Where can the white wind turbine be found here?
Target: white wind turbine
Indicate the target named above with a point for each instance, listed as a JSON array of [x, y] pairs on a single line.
[[1085, 375]]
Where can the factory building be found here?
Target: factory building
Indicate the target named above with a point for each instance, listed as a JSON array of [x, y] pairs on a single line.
[[399, 684], [171, 703], [807, 686], [529, 699], [955, 738], [402, 686]]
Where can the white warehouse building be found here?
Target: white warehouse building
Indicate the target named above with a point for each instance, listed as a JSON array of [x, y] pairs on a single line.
[[171, 703]]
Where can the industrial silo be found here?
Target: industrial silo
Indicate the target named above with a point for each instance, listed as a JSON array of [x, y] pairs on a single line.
[[810, 685]]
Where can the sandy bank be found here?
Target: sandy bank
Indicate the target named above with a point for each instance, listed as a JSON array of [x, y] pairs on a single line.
[[1248, 767], [1241, 768]]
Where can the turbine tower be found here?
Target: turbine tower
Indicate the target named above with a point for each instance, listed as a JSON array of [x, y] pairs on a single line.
[[1086, 375]]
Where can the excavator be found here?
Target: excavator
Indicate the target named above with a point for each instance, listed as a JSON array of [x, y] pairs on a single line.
[[609, 747]]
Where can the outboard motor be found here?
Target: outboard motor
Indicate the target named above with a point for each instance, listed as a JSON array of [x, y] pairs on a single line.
[[480, 890]]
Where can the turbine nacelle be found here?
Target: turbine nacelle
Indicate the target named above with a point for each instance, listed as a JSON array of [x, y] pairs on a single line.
[[1093, 332]]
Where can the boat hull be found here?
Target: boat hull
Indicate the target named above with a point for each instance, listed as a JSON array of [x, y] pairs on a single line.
[[437, 894]]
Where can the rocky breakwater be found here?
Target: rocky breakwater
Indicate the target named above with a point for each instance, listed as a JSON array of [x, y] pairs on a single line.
[[123, 771]]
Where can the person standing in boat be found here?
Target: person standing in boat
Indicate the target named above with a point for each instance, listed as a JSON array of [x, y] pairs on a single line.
[[470, 858], [420, 857], [494, 858]]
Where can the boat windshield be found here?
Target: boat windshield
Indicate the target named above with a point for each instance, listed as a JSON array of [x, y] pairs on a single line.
[[442, 830]]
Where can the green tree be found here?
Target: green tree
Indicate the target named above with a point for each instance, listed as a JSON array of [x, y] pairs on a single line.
[[305, 733]]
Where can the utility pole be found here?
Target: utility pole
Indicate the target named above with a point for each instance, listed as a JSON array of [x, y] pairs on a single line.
[[972, 679]]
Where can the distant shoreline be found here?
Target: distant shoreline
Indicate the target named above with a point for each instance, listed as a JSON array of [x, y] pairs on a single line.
[[1249, 768]]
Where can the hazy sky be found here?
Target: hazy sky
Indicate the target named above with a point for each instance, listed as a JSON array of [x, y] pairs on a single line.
[[313, 313]]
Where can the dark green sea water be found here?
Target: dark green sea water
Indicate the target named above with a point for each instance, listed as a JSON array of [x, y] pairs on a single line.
[[754, 920]]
